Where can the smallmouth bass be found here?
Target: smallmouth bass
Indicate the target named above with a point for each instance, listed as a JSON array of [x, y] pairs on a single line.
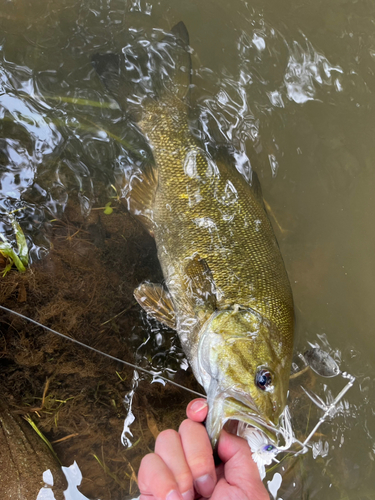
[[226, 290]]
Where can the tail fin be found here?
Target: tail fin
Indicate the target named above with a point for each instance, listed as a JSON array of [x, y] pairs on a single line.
[[147, 70], [181, 70]]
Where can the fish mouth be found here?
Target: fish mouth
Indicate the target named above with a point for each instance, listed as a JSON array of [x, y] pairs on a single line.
[[228, 411]]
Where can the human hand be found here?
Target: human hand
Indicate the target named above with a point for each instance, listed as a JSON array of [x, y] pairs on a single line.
[[182, 467]]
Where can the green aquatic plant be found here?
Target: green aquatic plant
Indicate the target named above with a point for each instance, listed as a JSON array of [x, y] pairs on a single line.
[[83, 102], [20, 260], [42, 436], [108, 209], [130, 476]]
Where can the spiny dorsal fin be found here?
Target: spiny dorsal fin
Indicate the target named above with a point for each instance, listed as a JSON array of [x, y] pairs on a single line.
[[201, 285], [157, 302], [141, 195], [225, 157], [256, 187]]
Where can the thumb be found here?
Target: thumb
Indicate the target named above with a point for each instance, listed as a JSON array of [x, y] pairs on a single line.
[[239, 467]]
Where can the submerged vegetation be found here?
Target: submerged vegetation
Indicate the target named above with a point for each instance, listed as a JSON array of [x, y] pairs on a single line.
[[83, 287], [293, 92], [9, 256], [73, 396]]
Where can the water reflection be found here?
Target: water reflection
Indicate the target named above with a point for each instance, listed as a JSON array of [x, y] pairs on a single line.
[[306, 68], [291, 87]]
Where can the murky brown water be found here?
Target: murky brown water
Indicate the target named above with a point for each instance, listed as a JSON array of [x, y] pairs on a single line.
[[291, 85]]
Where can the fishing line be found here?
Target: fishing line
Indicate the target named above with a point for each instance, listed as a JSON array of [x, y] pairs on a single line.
[[148, 372], [100, 352]]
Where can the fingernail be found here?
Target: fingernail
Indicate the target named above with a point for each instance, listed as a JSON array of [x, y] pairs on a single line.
[[188, 495], [174, 495], [205, 485], [198, 406]]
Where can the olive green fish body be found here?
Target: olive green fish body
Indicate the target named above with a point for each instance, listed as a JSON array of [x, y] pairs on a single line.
[[227, 293], [204, 211], [206, 208]]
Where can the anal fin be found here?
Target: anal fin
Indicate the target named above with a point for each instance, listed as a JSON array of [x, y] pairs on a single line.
[[157, 302]]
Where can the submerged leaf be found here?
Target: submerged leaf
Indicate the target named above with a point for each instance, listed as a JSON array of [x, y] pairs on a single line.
[[21, 242], [21, 260], [108, 209], [83, 102], [12, 257], [42, 436]]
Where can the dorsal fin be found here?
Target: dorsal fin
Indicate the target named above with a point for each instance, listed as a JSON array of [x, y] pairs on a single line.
[[109, 67], [225, 156], [141, 194], [256, 187], [180, 31]]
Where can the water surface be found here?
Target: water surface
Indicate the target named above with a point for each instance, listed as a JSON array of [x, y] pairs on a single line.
[[291, 86]]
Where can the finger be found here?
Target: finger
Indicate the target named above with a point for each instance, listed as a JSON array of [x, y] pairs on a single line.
[[169, 448], [198, 453], [156, 480], [197, 410], [239, 467]]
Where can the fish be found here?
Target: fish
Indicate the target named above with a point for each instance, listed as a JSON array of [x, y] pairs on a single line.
[[226, 291], [24, 457]]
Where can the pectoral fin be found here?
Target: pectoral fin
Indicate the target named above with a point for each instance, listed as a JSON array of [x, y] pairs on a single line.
[[201, 285], [141, 194], [157, 302]]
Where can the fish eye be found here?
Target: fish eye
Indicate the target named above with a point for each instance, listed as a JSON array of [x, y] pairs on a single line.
[[263, 379]]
